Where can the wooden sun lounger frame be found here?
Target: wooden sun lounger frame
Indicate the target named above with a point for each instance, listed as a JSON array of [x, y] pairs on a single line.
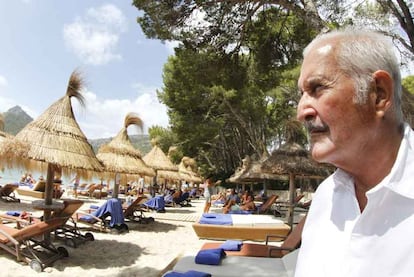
[[23, 243], [254, 233], [290, 243], [7, 193]]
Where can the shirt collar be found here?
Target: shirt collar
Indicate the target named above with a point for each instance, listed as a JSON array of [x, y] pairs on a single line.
[[400, 178]]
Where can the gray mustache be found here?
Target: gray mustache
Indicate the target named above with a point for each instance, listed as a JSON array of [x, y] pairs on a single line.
[[312, 127]]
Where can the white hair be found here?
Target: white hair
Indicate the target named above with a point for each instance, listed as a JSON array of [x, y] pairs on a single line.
[[360, 53]]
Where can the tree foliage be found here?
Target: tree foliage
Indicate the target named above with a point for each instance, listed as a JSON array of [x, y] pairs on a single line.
[[230, 88], [223, 107]]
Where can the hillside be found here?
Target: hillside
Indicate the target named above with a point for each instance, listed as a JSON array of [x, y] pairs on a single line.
[[16, 118]]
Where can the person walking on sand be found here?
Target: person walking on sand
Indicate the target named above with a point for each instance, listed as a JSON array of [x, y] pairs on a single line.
[[361, 219], [208, 192], [75, 180]]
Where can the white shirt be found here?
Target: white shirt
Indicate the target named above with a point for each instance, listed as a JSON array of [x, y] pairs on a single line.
[[339, 240]]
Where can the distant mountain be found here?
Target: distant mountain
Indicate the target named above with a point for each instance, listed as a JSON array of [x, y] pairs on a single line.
[[15, 119], [141, 142]]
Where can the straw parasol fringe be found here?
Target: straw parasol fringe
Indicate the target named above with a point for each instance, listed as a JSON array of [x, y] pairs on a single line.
[[56, 139], [120, 156], [157, 159], [55, 136], [1, 124]]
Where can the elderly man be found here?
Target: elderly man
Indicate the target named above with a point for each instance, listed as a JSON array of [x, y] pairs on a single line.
[[362, 217]]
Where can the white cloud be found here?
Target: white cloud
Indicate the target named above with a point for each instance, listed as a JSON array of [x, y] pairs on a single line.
[[170, 45], [3, 82], [105, 117], [94, 37]]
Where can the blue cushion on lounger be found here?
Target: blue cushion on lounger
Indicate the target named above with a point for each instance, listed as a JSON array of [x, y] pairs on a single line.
[[210, 256], [13, 213], [232, 245], [190, 273], [216, 219]]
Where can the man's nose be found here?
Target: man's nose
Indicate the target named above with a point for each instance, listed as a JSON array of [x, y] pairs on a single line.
[[305, 110]]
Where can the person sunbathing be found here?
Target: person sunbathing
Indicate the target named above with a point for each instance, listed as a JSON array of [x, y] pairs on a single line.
[[248, 205]]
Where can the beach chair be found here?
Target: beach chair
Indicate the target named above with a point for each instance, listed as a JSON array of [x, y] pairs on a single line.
[[28, 244], [290, 243], [156, 203], [7, 193], [134, 211], [183, 200], [70, 232], [38, 190], [237, 266], [97, 219], [267, 205]]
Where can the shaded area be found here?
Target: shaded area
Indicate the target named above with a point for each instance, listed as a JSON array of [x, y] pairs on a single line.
[[102, 251]]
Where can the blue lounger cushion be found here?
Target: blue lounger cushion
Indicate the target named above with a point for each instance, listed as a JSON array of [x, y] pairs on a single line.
[[13, 213], [231, 245], [210, 256], [216, 219], [190, 273]]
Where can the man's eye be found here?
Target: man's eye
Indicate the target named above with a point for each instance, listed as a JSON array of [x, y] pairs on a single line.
[[317, 88]]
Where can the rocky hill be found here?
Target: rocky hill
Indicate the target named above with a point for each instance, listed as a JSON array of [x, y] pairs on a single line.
[[16, 118]]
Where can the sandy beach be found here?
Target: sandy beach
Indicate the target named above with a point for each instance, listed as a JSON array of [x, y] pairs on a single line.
[[146, 250]]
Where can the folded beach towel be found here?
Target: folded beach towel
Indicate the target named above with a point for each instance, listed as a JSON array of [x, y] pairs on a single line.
[[210, 256], [231, 245], [190, 273]]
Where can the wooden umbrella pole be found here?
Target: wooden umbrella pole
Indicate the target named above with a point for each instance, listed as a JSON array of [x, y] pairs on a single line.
[[116, 186], [292, 189], [49, 188]]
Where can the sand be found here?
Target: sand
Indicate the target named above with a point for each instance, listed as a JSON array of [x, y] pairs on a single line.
[[146, 250]]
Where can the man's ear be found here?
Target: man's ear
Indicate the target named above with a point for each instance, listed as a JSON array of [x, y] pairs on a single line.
[[384, 91]]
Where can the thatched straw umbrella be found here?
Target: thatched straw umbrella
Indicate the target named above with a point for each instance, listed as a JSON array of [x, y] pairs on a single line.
[[120, 156], [293, 160], [251, 172], [53, 139], [162, 165], [187, 168], [3, 134]]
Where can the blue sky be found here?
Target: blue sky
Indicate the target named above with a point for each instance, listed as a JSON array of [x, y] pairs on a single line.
[[42, 42]]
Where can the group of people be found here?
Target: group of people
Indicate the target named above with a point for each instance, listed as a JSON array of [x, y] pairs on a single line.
[[230, 202], [28, 180]]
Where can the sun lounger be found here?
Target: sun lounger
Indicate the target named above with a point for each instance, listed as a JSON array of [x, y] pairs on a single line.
[[241, 266], [38, 190], [28, 245], [237, 226], [97, 219], [156, 203], [134, 211], [290, 243], [7, 193]]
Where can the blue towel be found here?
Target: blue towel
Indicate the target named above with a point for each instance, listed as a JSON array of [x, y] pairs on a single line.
[[13, 213], [112, 207], [210, 256], [95, 207], [190, 273], [232, 245], [156, 203]]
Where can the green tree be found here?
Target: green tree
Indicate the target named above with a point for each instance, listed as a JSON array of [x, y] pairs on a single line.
[[408, 84]]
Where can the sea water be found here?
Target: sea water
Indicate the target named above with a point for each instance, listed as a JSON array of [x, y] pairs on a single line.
[[13, 175]]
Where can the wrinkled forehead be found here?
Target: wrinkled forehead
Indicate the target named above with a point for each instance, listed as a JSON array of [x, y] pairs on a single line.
[[319, 59]]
